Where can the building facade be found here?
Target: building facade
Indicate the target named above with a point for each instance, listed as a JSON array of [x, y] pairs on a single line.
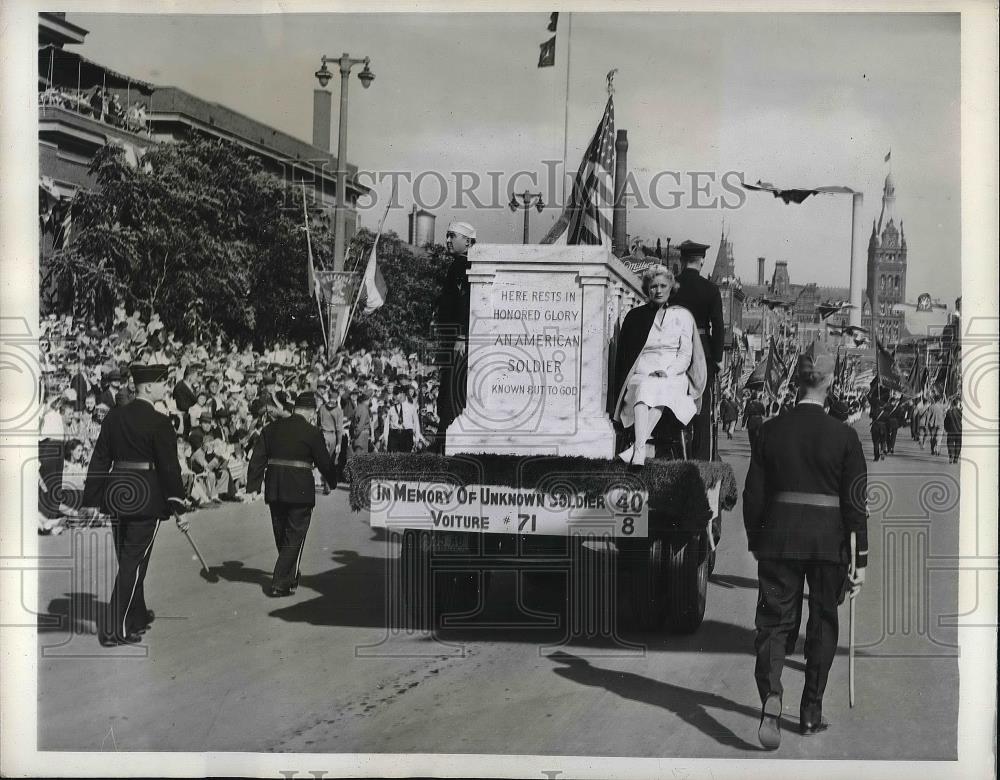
[[886, 272], [84, 105]]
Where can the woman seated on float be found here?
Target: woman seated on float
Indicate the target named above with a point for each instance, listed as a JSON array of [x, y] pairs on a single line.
[[660, 365]]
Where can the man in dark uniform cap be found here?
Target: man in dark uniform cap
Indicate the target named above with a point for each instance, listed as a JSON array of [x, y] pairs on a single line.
[[452, 321], [285, 453], [702, 298], [134, 476], [803, 502]]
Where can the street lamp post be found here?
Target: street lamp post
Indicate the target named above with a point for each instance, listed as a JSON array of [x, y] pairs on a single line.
[[339, 302], [345, 62], [525, 201]]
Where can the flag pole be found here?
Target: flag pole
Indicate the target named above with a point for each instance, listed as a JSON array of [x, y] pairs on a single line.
[[312, 270], [569, 40], [378, 235]]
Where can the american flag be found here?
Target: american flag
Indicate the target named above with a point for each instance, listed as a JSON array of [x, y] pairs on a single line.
[[587, 217]]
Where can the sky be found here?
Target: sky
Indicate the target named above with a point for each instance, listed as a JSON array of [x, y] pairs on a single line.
[[800, 100]]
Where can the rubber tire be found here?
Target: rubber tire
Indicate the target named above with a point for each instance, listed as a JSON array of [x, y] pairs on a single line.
[[641, 587], [686, 583]]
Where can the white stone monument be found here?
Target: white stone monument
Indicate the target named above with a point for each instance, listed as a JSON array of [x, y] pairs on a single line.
[[543, 329]]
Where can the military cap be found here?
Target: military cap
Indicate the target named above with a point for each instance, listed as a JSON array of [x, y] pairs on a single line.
[[143, 374], [462, 229], [692, 249], [306, 400], [813, 370]]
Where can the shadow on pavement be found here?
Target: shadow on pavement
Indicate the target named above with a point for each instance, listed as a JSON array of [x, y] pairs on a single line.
[[733, 581], [75, 613], [692, 706]]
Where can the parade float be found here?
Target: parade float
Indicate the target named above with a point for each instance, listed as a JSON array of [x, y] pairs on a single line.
[[529, 480]]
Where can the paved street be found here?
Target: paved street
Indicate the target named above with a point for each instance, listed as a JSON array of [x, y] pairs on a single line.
[[227, 669]]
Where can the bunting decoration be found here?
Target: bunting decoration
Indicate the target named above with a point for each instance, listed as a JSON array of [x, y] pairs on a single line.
[[547, 53]]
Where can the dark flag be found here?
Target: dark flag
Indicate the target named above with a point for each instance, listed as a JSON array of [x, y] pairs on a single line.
[[885, 369], [553, 21], [795, 195], [547, 55], [756, 379], [776, 371]]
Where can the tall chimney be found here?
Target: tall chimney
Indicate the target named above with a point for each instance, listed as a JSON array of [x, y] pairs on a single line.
[[760, 271], [619, 232], [321, 119]]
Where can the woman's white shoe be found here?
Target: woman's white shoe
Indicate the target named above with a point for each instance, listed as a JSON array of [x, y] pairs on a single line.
[[627, 454]]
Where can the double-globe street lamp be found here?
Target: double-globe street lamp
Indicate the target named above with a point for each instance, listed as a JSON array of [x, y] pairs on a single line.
[[339, 299], [345, 62], [525, 201]]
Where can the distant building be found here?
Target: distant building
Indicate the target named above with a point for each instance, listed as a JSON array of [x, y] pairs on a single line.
[[886, 270]]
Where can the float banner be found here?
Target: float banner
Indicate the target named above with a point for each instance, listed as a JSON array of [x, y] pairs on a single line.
[[622, 512]]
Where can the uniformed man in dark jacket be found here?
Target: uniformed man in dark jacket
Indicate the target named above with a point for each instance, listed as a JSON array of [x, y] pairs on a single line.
[[879, 413], [702, 298], [753, 417], [803, 501], [134, 476], [452, 329], [283, 459]]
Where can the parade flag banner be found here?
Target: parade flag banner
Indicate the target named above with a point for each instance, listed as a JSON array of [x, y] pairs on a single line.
[[776, 371], [888, 155], [587, 217], [373, 289], [885, 369], [553, 21], [756, 379], [796, 195]]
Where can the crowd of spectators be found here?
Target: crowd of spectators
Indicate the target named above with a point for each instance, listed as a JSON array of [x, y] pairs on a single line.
[[220, 395], [95, 102]]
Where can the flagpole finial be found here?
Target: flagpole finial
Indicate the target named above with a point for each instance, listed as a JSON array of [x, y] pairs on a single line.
[[611, 81]]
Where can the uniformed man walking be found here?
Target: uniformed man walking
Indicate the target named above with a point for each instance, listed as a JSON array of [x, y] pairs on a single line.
[[135, 477], [953, 429], [702, 298], [753, 417], [802, 503], [879, 413], [283, 459], [452, 323]]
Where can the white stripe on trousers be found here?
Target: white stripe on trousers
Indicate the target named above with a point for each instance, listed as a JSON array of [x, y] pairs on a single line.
[[136, 583], [298, 561]]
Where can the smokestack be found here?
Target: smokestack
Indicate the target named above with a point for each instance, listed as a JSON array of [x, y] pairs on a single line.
[[760, 271], [321, 119], [619, 233]]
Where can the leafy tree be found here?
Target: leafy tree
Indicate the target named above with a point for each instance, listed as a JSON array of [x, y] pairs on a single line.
[[197, 232]]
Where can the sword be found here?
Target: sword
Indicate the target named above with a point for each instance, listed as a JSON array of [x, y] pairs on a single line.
[[184, 529], [850, 630]]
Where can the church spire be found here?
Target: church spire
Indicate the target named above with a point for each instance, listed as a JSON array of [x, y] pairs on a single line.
[[888, 202]]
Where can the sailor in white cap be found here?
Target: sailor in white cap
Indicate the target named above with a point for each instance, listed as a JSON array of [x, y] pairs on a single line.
[[452, 328]]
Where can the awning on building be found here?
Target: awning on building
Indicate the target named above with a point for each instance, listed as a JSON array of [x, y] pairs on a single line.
[[69, 70]]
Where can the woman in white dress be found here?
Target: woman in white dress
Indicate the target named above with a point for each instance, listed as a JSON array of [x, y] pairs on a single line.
[[665, 371]]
